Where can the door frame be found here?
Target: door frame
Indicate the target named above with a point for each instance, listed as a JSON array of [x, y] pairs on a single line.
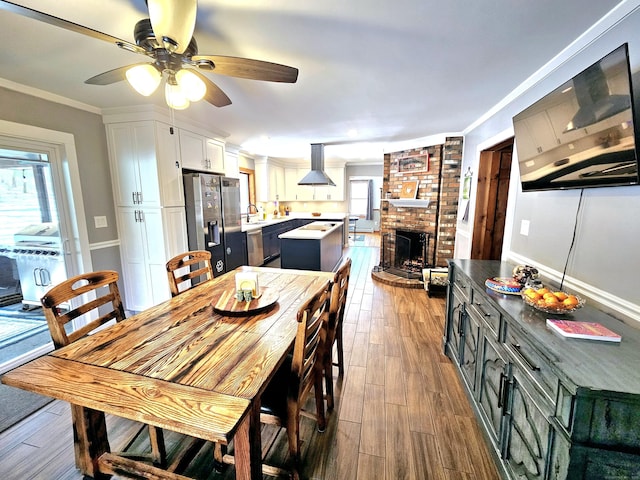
[[492, 193], [60, 146]]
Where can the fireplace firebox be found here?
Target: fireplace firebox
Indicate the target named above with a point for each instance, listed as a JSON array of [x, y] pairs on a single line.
[[409, 253]]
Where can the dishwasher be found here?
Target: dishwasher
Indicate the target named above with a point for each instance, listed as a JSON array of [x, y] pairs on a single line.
[[254, 247]]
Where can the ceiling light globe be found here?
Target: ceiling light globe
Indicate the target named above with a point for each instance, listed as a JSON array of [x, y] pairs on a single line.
[[175, 97], [192, 85], [175, 20], [144, 78]]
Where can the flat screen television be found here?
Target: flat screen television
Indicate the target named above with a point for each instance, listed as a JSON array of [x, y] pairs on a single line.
[[582, 133]]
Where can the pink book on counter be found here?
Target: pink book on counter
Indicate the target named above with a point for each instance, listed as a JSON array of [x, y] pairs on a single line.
[[584, 330]]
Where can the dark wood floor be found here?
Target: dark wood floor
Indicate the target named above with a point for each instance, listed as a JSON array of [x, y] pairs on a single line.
[[401, 412]]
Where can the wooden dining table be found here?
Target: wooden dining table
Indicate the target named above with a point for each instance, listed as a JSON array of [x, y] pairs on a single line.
[[183, 365]]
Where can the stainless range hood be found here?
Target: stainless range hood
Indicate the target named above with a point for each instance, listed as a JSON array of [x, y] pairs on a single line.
[[595, 99], [317, 176]]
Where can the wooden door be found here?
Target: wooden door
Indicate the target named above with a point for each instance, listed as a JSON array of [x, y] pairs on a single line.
[[491, 201]]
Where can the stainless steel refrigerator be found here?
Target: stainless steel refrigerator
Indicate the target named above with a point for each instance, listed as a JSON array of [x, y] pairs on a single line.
[[212, 205]]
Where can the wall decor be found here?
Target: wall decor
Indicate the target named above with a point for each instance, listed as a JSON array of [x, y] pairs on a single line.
[[409, 189], [415, 163]]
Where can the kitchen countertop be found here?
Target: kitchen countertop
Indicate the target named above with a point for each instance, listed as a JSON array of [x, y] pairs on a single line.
[[255, 224], [312, 231]]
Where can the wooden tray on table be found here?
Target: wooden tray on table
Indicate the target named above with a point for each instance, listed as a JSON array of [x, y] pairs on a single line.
[[228, 304]]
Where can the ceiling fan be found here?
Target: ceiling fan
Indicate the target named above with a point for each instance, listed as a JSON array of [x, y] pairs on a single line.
[[166, 37]]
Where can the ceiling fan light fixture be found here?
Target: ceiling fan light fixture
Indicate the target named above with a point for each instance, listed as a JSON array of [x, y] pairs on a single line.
[[174, 95], [144, 78], [191, 85], [173, 21]]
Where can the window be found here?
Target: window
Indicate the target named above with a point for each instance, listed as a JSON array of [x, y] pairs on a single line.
[[247, 188], [359, 197]]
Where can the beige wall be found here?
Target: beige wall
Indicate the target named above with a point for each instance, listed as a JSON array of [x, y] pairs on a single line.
[[91, 149]]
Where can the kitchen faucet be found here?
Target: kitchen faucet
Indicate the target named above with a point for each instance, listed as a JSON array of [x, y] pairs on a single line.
[[249, 209]]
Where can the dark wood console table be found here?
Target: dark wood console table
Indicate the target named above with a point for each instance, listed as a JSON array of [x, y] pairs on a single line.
[[551, 408]]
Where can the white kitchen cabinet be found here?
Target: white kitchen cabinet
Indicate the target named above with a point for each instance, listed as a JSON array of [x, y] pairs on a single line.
[[270, 181], [200, 153], [327, 193], [148, 192], [231, 165], [145, 167], [291, 187], [303, 193], [148, 238], [322, 193]]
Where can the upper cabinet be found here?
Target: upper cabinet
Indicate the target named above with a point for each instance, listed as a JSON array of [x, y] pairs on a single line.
[[293, 191], [200, 153], [231, 164], [145, 164], [327, 193], [321, 193], [270, 181]]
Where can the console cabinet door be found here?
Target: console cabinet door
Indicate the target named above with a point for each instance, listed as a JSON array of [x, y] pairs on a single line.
[[457, 316], [469, 349], [528, 432], [492, 383]]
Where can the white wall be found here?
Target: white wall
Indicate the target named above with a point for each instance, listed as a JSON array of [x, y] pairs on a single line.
[[603, 265]]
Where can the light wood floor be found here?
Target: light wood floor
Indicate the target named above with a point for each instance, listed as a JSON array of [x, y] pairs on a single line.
[[400, 411]]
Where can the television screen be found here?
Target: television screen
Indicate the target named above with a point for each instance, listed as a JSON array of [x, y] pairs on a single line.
[[582, 133]]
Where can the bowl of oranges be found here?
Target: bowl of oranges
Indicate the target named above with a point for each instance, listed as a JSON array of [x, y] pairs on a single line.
[[549, 301]]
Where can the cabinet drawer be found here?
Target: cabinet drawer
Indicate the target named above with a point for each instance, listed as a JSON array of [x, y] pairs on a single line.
[[462, 283], [536, 366], [484, 311]]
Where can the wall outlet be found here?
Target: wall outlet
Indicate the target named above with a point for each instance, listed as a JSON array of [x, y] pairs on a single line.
[[101, 222], [524, 228]]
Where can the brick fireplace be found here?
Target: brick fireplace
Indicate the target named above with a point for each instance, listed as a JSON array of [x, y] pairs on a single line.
[[435, 171]]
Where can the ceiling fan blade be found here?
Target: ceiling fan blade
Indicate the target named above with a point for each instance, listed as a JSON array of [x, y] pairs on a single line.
[[215, 95], [247, 68], [112, 76], [67, 25]]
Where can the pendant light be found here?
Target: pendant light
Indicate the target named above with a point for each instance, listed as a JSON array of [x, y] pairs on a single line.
[[173, 22]]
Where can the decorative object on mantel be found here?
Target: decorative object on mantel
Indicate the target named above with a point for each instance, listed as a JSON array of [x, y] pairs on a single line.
[[409, 189], [414, 163]]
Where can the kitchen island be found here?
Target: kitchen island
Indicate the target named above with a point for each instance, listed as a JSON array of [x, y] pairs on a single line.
[[315, 246]]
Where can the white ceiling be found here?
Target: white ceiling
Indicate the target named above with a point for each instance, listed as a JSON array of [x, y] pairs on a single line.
[[392, 70]]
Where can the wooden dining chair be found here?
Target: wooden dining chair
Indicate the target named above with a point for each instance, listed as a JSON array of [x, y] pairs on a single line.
[[287, 392], [94, 296], [193, 267], [332, 329]]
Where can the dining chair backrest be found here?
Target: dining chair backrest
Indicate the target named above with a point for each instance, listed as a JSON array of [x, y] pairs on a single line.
[[332, 330], [339, 291], [311, 315], [59, 308], [193, 267]]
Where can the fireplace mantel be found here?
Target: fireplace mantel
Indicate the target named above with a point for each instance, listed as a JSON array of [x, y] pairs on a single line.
[[408, 202]]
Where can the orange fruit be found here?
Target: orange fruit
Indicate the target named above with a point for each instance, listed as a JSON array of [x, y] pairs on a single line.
[[542, 291], [571, 301], [551, 300], [560, 296], [534, 296], [549, 295]]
